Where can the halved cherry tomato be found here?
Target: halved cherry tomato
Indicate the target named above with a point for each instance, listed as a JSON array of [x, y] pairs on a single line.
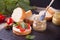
[[18, 27], [9, 21], [21, 29], [2, 18]]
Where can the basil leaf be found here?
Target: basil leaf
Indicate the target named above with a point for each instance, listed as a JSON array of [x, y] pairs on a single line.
[[30, 37], [7, 6]]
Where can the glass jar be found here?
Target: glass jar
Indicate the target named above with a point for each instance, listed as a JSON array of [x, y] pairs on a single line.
[[56, 18], [39, 25]]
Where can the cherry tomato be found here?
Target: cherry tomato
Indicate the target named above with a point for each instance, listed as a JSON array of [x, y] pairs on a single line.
[[18, 27], [2, 18], [21, 29], [10, 21]]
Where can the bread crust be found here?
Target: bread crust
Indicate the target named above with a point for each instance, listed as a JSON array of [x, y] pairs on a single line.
[[21, 33]]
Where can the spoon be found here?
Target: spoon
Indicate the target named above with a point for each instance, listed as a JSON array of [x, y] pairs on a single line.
[[43, 16]]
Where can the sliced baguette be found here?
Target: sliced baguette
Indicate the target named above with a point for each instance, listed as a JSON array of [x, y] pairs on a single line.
[[51, 11], [18, 14], [28, 13], [48, 16]]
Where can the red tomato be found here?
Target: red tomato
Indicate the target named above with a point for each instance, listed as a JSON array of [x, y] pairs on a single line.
[[2, 18], [18, 27], [21, 29], [10, 21]]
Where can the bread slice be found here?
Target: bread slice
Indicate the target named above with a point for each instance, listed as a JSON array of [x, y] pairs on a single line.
[[28, 13], [18, 14], [51, 10], [50, 13], [48, 16]]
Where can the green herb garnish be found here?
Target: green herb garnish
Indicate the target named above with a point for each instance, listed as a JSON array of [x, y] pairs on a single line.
[[22, 25], [7, 6], [30, 37]]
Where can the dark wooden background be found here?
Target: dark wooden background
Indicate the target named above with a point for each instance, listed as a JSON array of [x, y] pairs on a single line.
[[44, 3]]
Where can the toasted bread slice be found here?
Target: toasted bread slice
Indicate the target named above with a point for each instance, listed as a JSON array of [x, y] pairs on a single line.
[[48, 16], [28, 13], [51, 10], [18, 14]]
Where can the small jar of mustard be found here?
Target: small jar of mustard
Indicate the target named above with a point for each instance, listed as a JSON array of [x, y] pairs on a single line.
[[56, 18]]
